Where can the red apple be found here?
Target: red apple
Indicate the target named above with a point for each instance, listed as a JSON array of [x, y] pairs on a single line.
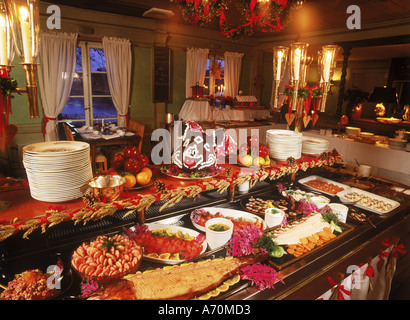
[[143, 160], [132, 165], [117, 161], [253, 140], [131, 152], [263, 151], [244, 148]]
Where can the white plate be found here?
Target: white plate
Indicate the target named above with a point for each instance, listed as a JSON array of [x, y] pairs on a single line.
[[56, 148], [304, 180], [173, 229], [342, 198], [230, 213]]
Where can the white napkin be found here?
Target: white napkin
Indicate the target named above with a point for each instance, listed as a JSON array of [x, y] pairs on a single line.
[[83, 128], [110, 136]]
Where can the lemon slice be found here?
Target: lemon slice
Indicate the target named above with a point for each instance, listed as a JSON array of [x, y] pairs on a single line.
[[168, 267], [148, 270], [185, 264], [164, 256], [218, 259], [152, 255], [203, 261], [179, 234], [228, 258], [235, 279], [175, 256], [214, 293], [222, 288], [205, 296]]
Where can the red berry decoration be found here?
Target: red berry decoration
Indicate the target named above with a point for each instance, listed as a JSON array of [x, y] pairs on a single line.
[[132, 165], [131, 152], [117, 161]]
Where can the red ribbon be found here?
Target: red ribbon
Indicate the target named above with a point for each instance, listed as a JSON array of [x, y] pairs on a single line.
[[126, 118], [397, 249], [340, 288], [45, 120]]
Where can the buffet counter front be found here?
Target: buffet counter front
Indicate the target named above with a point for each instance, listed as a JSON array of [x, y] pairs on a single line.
[[366, 241]]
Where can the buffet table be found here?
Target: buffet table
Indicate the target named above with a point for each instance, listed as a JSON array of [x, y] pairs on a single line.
[[313, 276], [201, 110]]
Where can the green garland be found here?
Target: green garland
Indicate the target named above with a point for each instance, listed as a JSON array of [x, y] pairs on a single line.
[[8, 85], [305, 92]]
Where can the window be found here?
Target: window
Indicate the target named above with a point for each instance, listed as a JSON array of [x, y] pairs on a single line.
[[214, 76], [90, 99]]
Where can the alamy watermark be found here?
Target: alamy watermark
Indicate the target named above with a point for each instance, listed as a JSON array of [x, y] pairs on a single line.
[[354, 20]]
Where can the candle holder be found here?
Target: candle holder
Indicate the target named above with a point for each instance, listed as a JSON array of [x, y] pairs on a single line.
[[327, 62], [280, 58], [297, 56], [24, 22]]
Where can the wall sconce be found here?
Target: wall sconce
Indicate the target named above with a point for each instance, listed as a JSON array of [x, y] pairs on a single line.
[[24, 23]]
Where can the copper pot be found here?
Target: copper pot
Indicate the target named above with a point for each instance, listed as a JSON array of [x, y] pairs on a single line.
[[107, 187]]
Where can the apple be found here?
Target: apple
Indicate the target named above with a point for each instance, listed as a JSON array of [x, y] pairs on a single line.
[[244, 148], [144, 161], [131, 152], [132, 165], [263, 151], [253, 141], [117, 161]]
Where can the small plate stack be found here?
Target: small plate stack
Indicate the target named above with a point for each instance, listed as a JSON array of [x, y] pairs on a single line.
[[57, 170], [314, 146], [283, 144], [353, 131]]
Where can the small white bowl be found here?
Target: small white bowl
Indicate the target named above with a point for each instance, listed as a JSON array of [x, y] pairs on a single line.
[[274, 217], [320, 201], [218, 238], [340, 210]]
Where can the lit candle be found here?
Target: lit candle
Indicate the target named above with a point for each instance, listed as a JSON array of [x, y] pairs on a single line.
[[278, 72], [326, 67], [3, 40], [297, 63], [25, 35]]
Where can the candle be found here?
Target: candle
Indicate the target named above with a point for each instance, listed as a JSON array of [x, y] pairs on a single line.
[[3, 40], [326, 67], [278, 72], [25, 35], [297, 63]]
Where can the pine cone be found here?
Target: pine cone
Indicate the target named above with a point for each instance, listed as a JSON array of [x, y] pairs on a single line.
[[290, 161], [324, 156], [90, 198], [160, 186]]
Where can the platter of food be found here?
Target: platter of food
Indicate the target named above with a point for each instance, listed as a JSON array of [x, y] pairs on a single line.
[[323, 185], [238, 217], [302, 237], [368, 201], [258, 204], [168, 244], [29, 280], [174, 172]]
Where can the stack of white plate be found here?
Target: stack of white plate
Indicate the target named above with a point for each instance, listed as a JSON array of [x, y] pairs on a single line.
[[397, 143], [314, 146], [283, 144], [56, 170]]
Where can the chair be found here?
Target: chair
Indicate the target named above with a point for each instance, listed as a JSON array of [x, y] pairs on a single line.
[[68, 132], [100, 163], [138, 129]]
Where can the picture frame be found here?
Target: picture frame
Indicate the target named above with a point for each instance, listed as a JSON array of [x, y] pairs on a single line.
[[162, 67]]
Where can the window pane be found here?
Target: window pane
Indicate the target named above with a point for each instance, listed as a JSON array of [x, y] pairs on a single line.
[[74, 109], [79, 60], [97, 60], [77, 87], [99, 84], [103, 108]]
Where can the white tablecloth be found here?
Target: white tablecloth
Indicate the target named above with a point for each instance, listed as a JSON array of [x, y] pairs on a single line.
[[198, 110]]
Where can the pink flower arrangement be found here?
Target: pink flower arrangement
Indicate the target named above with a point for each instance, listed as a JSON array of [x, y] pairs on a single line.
[[261, 275], [243, 242]]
